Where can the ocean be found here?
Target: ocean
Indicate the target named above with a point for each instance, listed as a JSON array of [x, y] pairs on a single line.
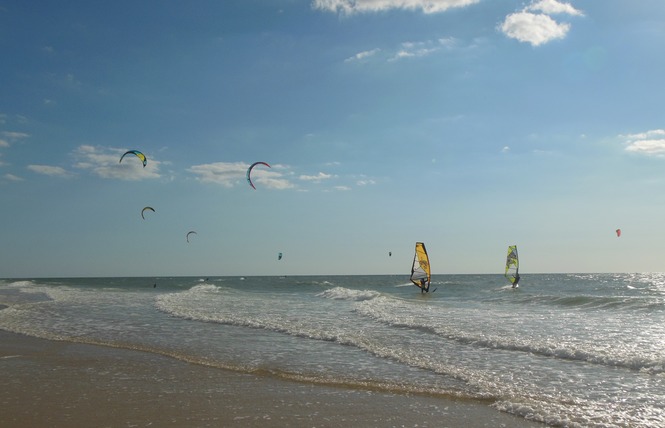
[[569, 350]]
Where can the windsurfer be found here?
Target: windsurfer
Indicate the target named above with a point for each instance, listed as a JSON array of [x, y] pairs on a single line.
[[424, 286], [517, 279]]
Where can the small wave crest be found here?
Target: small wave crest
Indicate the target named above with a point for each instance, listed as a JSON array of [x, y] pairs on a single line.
[[21, 284], [204, 288], [341, 293], [592, 302], [188, 303], [401, 314]]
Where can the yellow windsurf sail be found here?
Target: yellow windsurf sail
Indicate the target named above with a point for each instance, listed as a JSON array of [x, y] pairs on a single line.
[[512, 266], [420, 270]]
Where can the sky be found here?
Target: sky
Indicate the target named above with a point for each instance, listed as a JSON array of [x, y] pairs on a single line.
[[469, 125]]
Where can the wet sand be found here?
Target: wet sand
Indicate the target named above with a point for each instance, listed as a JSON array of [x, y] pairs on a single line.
[[62, 384]]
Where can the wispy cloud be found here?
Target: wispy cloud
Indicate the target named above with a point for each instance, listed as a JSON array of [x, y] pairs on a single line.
[[405, 50], [227, 174], [104, 162], [230, 174], [316, 178], [421, 49], [534, 25], [363, 55], [350, 7], [12, 177], [15, 136], [650, 143], [53, 171], [554, 7], [10, 137]]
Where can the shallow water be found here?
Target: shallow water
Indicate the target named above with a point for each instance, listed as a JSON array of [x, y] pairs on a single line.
[[567, 350]]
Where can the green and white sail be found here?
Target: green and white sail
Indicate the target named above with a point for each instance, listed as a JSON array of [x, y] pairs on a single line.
[[512, 266]]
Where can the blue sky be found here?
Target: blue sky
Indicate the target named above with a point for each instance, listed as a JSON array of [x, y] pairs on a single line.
[[470, 125]]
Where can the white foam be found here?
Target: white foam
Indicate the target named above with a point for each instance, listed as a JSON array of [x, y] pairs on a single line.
[[21, 284], [341, 293]]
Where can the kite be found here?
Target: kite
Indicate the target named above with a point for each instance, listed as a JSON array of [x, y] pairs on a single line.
[[618, 231], [249, 171], [390, 253], [137, 154], [189, 233], [145, 209], [279, 256]]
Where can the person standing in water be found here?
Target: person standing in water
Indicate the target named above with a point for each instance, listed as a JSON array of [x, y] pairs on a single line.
[[424, 286]]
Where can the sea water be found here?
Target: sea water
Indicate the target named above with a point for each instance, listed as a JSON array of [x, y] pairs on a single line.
[[562, 349]]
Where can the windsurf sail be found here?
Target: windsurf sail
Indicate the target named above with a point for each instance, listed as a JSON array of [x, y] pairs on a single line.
[[420, 270], [512, 266]]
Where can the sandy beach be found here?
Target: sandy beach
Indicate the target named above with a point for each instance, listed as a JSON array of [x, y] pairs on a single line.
[[61, 384]]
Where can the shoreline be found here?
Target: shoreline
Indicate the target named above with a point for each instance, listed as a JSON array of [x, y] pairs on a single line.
[[63, 384]]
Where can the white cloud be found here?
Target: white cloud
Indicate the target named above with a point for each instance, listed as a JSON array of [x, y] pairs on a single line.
[[406, 50], [644, 135], [349, 7], [224, 173], [538, 28], [650, 143], [228, 174], [505, 149], [531, 28], [104, 162], [416, 49], [316, 178], [12, 177], [363, 55], [15, 135], [553, 7], [53, 171]]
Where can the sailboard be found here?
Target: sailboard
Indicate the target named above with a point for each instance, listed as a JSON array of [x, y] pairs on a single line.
[[420, 269], [512, 266]]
